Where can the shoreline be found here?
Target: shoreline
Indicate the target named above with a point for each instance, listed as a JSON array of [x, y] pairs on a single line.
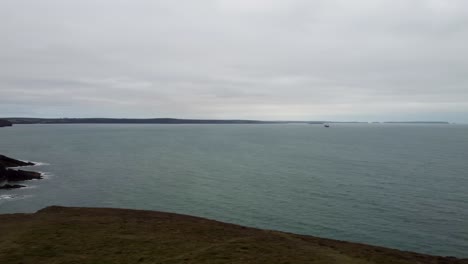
[[56, 234], [10, 175]]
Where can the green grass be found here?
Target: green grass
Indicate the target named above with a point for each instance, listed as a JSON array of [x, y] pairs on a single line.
[[91, 235]]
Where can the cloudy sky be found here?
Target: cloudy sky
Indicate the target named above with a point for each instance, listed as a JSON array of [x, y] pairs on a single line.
[[254, 59]]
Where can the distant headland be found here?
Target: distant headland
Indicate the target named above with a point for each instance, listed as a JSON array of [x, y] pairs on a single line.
[[4, 123], [25, 120]]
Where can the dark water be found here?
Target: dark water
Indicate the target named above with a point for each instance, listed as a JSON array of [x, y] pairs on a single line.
[[401, 186]]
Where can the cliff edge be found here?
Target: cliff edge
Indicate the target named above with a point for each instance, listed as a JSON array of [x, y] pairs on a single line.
[[99, 235]]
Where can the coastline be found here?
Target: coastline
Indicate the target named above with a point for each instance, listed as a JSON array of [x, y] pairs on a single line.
[[104, 235], [27, 120]]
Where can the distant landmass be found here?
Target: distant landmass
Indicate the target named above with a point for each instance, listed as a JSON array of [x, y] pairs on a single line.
[[417, 122], [134, 121], [25, 120], [4, 123]]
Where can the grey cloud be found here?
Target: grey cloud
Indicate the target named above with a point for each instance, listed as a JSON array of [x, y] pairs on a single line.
[[260, 59]]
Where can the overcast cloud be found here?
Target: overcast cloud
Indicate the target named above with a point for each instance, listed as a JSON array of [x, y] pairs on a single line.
[[292, 59]]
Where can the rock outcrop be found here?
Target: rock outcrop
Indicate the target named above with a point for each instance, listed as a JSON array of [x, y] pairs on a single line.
[[9, 162], [21, 175], [12, 175]]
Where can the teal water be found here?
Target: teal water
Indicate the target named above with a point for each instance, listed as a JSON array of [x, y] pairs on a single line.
[[400, 186]]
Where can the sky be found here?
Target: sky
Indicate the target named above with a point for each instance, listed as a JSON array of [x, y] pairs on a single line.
[[360, 60]]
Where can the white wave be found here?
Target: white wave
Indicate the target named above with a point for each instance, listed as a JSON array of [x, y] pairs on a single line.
[[7, 197], [46, 175], [28, 187], [38, 163], [12, 197]]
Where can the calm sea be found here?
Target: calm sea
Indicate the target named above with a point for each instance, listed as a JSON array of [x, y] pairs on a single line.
[[400, 186]]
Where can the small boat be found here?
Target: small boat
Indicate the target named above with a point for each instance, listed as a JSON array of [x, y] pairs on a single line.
[[326, 125]]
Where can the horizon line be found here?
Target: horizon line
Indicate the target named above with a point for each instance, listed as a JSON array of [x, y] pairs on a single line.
[[229, 119]]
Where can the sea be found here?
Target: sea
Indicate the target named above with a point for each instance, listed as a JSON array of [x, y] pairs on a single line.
[[402, 186]]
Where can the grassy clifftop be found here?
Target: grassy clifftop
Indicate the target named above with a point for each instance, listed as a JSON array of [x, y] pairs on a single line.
[[93, 235]]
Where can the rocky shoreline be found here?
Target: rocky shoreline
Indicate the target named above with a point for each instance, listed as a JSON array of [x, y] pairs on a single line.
[[9, 175]]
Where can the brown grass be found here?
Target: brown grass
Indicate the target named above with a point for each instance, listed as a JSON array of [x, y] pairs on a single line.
[[100, 236]]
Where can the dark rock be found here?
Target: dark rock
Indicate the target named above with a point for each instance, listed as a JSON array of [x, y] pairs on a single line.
[[12, 175], [8, 186], [21, 175], [3, 177], [9, 162], [4, 123]]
